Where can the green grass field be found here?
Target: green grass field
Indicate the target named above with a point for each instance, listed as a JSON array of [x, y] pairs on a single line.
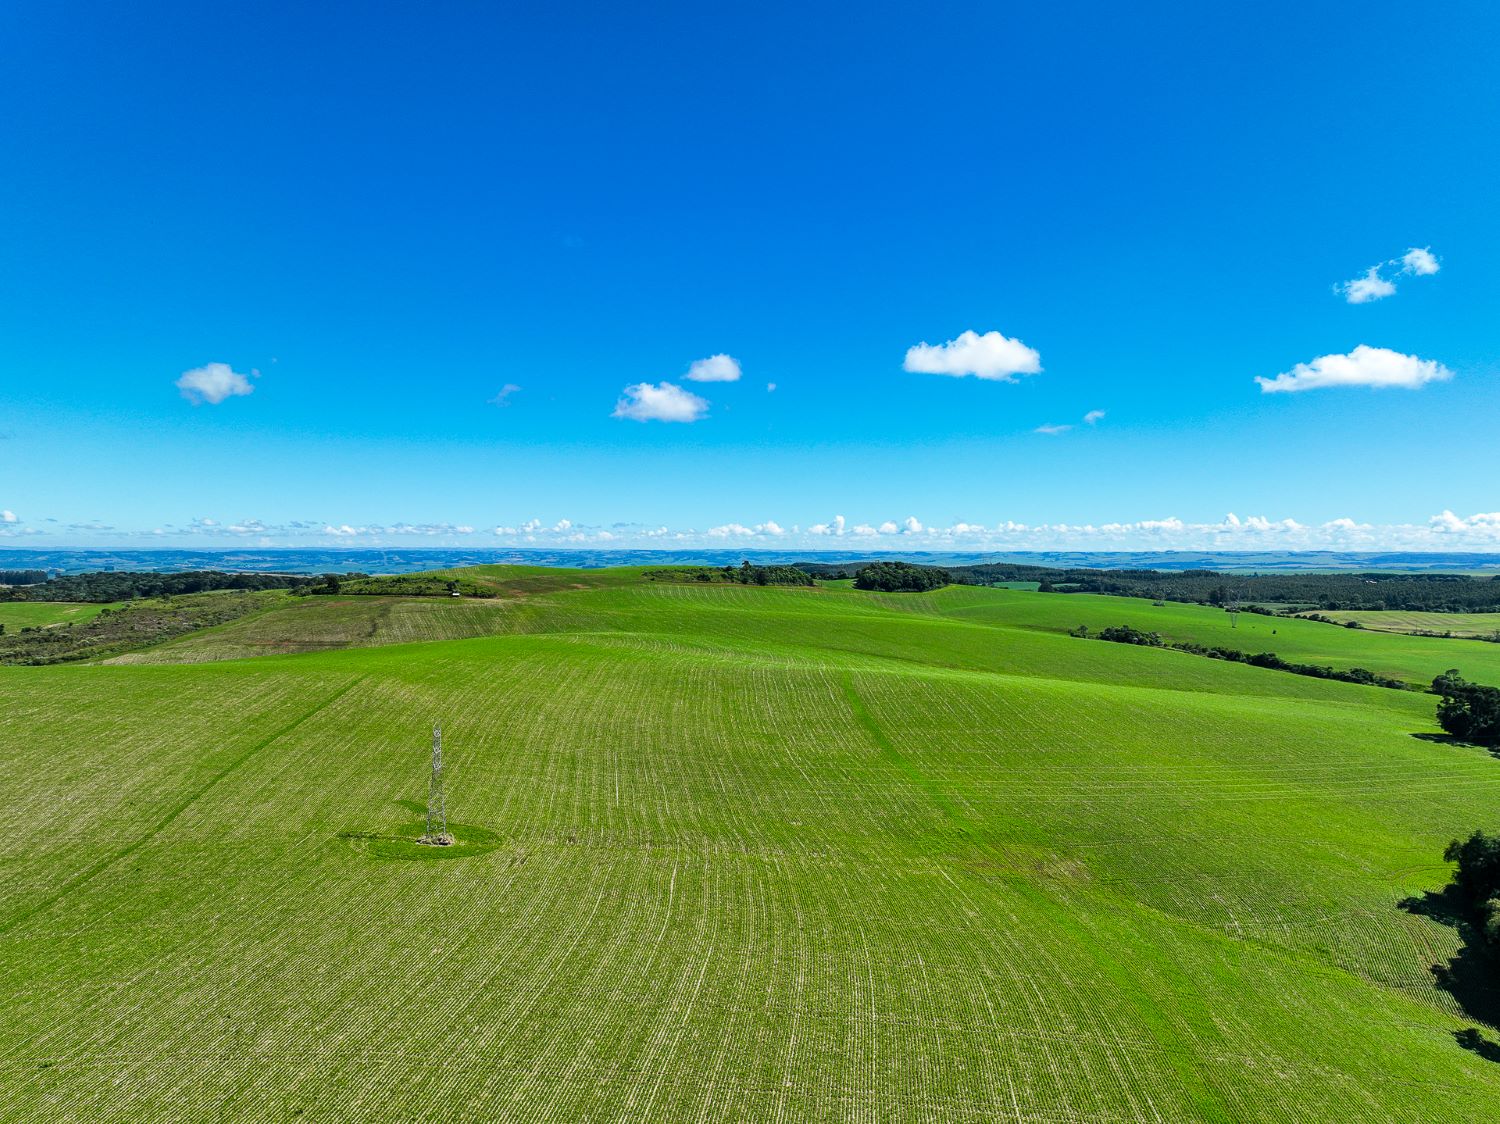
[[16, 615], [1393, 620], [734, 853]]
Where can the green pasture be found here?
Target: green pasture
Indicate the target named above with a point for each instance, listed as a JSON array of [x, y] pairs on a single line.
[[1394, 620], [736, 853], [16, 615]]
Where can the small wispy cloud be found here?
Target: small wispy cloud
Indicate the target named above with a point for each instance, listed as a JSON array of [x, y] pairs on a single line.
[[1374, 284], [213, 383], [715, 368], [1093, 417], [503, 398], [665, 402], [1364, 366], [991, 356]]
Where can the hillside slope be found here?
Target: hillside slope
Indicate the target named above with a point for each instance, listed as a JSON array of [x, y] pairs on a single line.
[[736, 853]]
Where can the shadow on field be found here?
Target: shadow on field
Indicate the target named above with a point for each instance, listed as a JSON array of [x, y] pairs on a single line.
[[1477, 1043], [1470, 975], [1449, 739]]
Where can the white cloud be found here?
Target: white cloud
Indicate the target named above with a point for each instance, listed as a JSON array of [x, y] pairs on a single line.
[[716, 368], [1364, 366], [990, 356], [1487, 523], [770, 388], [770, 528], [834, 528], [911, 525], [503, 398], [1052, 430], [1093, 417], [664, 402], [888, 528], [1370, 287], [731, 530], [212, 383], [864, 531], [1419, 260], [8, 516]]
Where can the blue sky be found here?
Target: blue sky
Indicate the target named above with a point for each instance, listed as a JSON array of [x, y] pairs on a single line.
[[378, 218]]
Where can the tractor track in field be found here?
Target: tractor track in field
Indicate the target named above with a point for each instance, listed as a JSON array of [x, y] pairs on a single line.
[[103, 863]]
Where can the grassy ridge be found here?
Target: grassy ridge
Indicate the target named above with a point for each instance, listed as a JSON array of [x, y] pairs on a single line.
[[761, 854]]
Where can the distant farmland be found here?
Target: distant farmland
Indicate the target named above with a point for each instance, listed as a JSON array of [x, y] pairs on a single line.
[[43, 614], [748, 854], [1459, 624]]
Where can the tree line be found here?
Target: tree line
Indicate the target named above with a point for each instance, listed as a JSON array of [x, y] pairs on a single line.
[[746, 573], [1339, 591], [127, 585], [22, 577]]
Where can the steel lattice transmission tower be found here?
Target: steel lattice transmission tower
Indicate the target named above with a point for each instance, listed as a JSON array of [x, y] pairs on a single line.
[[437, 811]]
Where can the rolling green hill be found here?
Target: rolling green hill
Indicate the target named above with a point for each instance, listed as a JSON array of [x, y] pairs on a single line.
[[737, 853]]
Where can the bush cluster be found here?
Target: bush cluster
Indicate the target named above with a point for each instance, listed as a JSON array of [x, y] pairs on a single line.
[[1469, 711]]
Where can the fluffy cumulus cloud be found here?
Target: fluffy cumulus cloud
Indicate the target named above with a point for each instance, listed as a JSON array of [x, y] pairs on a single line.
[[1370, 287], [665, 402], [1093, 417], [1376, 284], [990, 356], [716, 368], [1364, 366], [213, 383], [1419, 261], [1485, 525], [9, 516]]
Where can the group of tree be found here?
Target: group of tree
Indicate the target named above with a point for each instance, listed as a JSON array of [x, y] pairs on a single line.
[[437, 584], [1437, 593], [746, 573], [1476, 882], [126, 585], [1468, 711], [22, 577], [900, 577], [1255, 593]]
